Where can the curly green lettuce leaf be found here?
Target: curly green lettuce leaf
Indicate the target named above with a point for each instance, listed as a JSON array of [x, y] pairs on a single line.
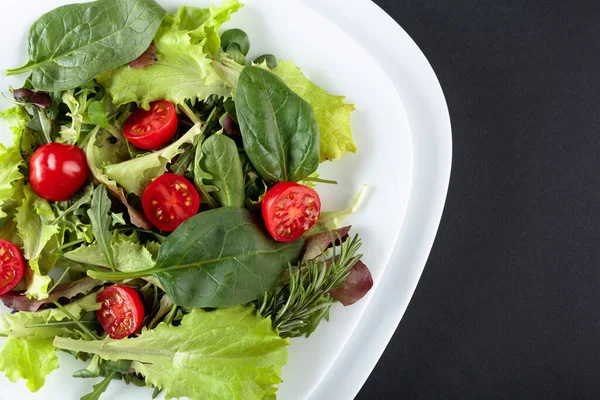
[[149, 166], [32, 218], [31, 359], [129, 254], [331, 112], [101, 150], [10, 162], [28, 352], [182, 70], [16, 119], [230, 353]]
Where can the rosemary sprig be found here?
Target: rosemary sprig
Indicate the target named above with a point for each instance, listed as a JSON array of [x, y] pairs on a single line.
[[297, 307]]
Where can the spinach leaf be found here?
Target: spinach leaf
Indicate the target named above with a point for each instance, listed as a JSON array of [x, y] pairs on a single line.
[[279, 130], [70, 45], [218, 164], [101, 221], [218, 258]]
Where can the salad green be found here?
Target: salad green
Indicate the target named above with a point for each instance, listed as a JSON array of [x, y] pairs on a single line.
[[184, 266]]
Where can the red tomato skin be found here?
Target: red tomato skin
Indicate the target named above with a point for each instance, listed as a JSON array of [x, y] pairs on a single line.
[[57, 171], [118, 300], [152, 129], [12, 266], [301, 214], [183, 197]]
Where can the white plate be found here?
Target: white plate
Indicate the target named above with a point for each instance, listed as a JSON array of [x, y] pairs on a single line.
[[402, 129]]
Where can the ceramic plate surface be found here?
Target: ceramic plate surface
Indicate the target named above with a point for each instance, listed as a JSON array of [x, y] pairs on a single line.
[[402, 129]]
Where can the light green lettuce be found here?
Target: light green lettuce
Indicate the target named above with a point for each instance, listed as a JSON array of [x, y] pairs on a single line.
[[101, 151], [331, 112], [28, 352], [229, 353], [10, 175], [149, 166], [16, 119], [128, 253], [182, 71], [32, 218]]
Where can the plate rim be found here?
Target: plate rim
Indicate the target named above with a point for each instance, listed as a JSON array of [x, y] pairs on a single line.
[[358, 358]]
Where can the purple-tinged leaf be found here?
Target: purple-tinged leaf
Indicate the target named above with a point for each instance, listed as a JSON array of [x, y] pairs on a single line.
[[39, 99], [319, 243], [355, 286], [147, 58]]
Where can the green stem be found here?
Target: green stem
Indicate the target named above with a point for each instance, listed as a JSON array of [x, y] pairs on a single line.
[[17, 71], [118, 276], [59, 280], [83, 328], [190, 113], [319, 180]]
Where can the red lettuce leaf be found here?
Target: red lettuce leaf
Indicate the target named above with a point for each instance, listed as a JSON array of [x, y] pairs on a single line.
[[355, 286]]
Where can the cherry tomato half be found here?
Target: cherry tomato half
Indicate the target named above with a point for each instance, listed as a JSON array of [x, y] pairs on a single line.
[[152, 129], [57, 171], [12, 266], [169, 200], [290, 209], [122, 311]]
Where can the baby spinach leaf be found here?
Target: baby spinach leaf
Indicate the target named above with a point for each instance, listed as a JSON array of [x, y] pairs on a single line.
[[70, 45], [279, 130], [218, 258], [218, 164]]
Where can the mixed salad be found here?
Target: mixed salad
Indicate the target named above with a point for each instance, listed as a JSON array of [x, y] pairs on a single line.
[[158, 211]]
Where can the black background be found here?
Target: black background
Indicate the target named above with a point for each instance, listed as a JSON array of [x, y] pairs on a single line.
[[508, 304]]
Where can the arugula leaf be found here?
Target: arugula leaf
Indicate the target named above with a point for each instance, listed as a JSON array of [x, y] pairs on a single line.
[[182, 70], [100, 387], [129, 255], [248, 367], [99, 214], [97, 114], [100, 150], [10, 162], [70, 45], [218, 169], [218, 258], [149, 166], [331, 112], [280, 134]]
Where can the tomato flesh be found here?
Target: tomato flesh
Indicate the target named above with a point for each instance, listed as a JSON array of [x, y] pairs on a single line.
[[122, 311], [57, 171], [152, 129], [12, 266], [290, 209], [169, 200]]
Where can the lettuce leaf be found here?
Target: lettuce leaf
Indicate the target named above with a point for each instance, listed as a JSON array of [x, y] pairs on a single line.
[[32, 219], [331, 112], [149, 166], [28, 353], [100, 151], [10, 162], [182, 70], [230, 353], [129, 255], [16, 119]]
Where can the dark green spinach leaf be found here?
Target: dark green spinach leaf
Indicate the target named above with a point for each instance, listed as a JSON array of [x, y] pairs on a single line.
[[72, 44], [279, 130], [221, 258], [218, 165]]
